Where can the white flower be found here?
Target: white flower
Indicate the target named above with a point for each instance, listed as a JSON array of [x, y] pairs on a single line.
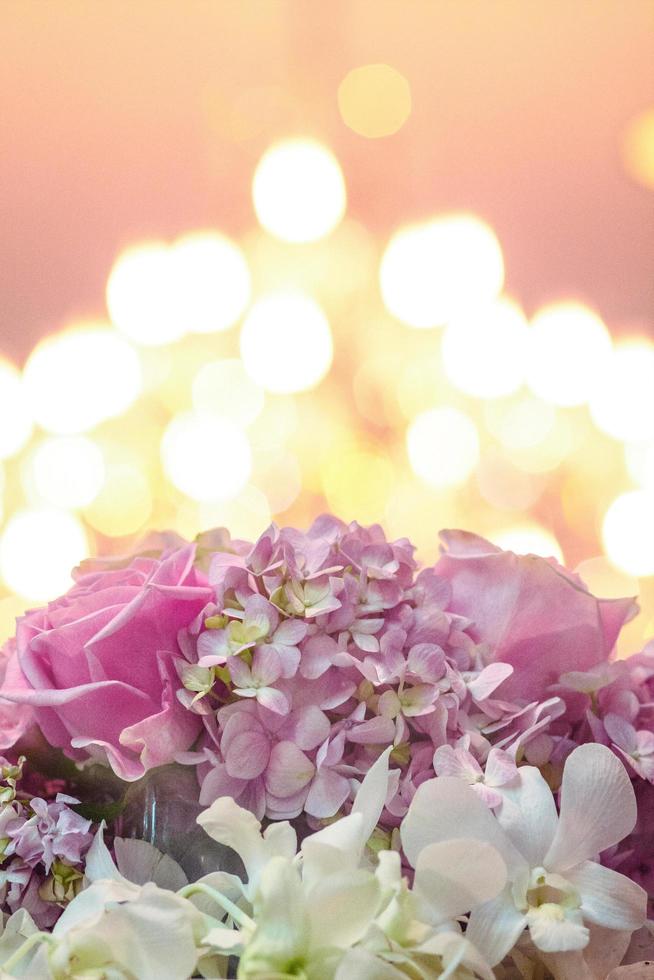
[[555, 890]]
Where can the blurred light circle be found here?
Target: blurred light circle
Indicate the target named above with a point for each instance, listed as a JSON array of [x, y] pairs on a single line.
[[443, 447], [622, 404], [77, 379], [207, 457], [124, 503], [484, 350], [38, 549], [431, 272], [604, 580], [520, 422], [142, 296], [638, 148], [506, 487], [211, 280], [357, 483], [374, 100], [15, 416], [245, 516], [639, 459], [280, 479], [286, 342], [224, 388], [568, 349], [628, 532], [298, 190], [67, 471], [528, 539]]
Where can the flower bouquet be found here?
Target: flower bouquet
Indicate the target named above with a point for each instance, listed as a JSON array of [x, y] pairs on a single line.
[[309, 758]]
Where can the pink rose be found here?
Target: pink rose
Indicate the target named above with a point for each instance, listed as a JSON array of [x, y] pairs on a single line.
[[14, 722], [530, 611], [98, 664]]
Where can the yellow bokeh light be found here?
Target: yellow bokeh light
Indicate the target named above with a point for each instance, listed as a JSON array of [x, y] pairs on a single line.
[[639, 459], [15, 416], [298, 190], [207, 457], [505, 486], [66, 471], [11, 607], [246, 516], [520, 422], [604, 580], [550, 452], [622, 404], [628, 532], [211, 281], [280, 478], [141, 295], [484, 350], [80, 377], [124, 504], [528, 539], [638, 148], [286, 342], [569, 346], [224, 388], [38, 549], [357, 484], [374, 100], [431, 272], [443, 447]]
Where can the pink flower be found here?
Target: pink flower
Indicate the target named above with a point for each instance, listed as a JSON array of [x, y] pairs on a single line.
[[98, 664], [14, 722], [532, 613], [501, 771], [636, 747]]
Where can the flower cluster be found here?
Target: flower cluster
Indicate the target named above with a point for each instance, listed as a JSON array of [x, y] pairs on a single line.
[[42, 849], [288, 673], [507, 892]]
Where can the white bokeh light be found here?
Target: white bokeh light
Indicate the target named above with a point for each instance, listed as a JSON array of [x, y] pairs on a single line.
[[432, 272], [628, 532], [66, 471], [38, 549], [639, 460], [286, 342], [142, 297], [569, 346], [207, 457], [298, 190], [622, 403], [443, 447], [484, 350], [15, 416], [80, 377], [211, 281], [528, 539]]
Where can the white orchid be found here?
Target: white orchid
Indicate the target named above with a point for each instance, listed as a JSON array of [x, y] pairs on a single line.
[[555, 889], [325, 913]]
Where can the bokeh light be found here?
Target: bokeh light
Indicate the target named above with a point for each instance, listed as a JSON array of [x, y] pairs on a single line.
[[357, 483], [15, 416], [484, 349], [628, 532], [443, 447], [431, 272], [80, 377], [639, 460], [622, 403], [124, 504], [638, 148], [141, 295], [66, 471], [528, 539], [38, 549], [207, 457], [298, 190], [374, 100], [211, 279], [569, 346], [606, 581], [286, 342], [520, 422], [224, 388]]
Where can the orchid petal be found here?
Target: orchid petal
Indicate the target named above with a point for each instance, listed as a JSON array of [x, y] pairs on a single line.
[[608, 898], [454, 876], [495, 927]]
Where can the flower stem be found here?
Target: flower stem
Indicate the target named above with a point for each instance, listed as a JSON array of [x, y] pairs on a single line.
[[237, 914]]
